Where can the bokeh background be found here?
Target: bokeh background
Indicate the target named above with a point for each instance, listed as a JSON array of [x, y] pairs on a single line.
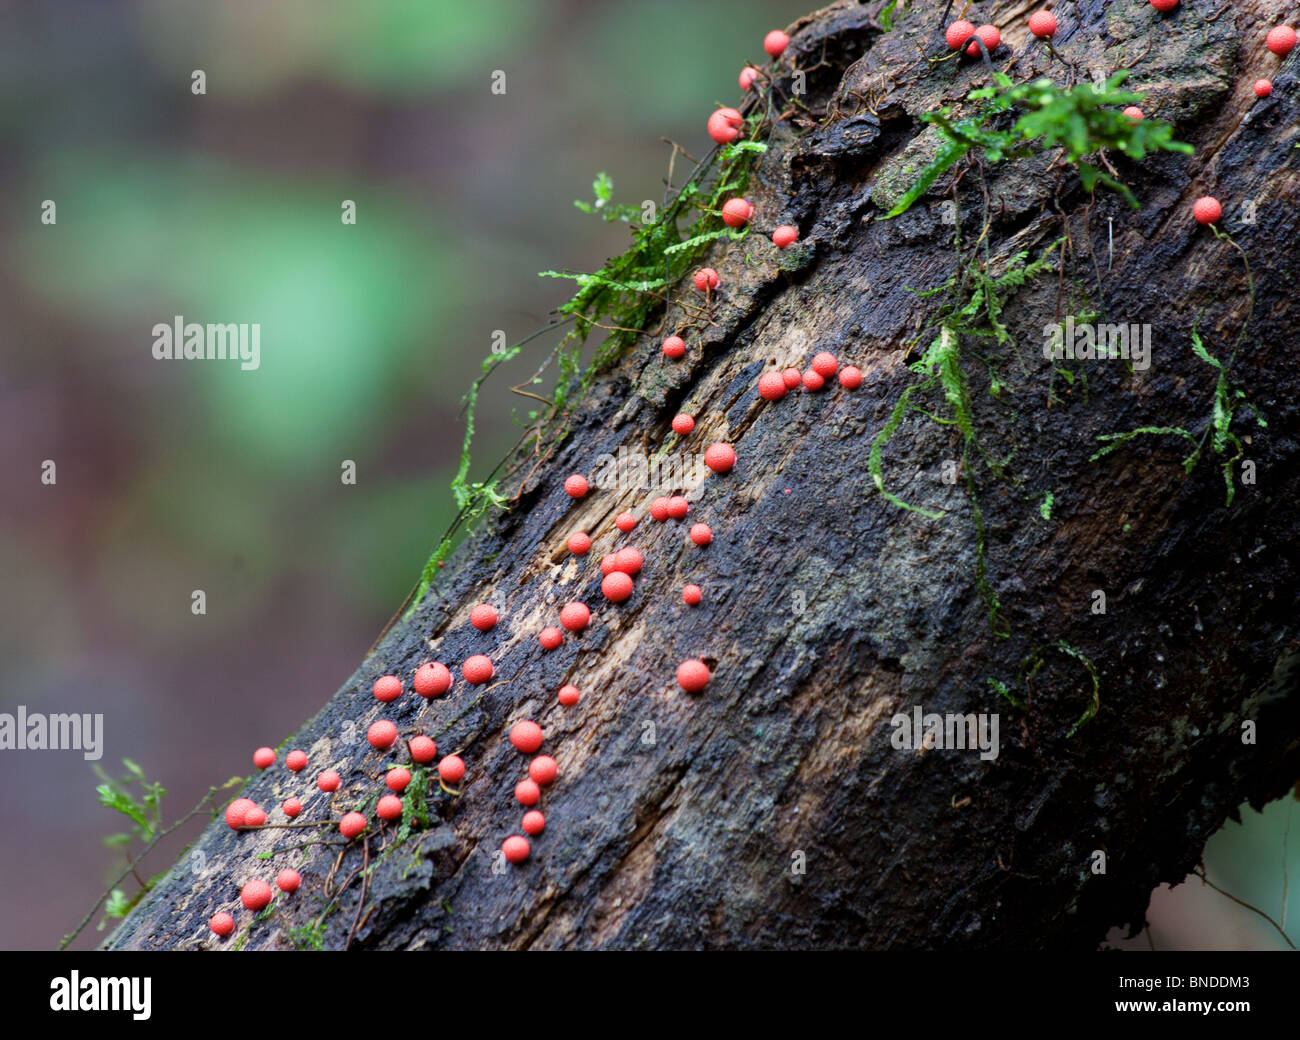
[[176, 476]]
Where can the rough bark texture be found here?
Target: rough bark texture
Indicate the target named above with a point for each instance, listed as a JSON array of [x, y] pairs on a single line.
[[688, 840]]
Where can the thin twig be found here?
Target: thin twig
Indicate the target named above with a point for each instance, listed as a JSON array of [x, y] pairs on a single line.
[[1200, 873], [198, 810], [365, 877]]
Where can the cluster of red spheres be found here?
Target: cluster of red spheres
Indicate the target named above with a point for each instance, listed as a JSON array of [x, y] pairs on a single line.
[[774, 385], [962, 33], [433, 679], [526, 736]]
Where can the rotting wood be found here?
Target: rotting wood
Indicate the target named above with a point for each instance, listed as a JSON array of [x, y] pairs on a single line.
[[689, 840]]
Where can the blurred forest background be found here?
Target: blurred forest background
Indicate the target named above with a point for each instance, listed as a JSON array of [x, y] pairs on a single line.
[[180, 476]]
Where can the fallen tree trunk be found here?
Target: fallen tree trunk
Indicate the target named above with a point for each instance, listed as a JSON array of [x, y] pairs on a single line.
[[1116, 617]]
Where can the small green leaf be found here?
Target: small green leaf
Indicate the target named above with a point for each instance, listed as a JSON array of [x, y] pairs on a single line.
[[121, 802], [117, 904]]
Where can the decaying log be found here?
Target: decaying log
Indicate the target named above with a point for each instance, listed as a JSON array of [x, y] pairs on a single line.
[[773, 809]]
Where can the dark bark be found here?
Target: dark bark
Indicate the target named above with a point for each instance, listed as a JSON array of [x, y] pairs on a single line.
[[689, 841]]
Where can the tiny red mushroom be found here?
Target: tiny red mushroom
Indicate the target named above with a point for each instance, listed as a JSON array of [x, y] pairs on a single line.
[[527, 792], [432, 679], [625, 522], [1164, 5], [1280, 40], [292, 807], [1263, 88], [813, 380], [989, 36], [616, 587], [477, 669], [387, 688], [397, 779], [659, 509], [255, 817], [296, 761], [691, 595], [533, 823], [575, 485], [550, 637], [775, 43], [720, 457], [351, 825], [389, 807], [526, 736], [382, 734], [264, 758], [724, 125], [222, 924], [747, 76], [328, 781], [682, 425], [678, 507], [609, 563], [579, 543], [736, 212], [451, 769], [1207, 210], [575, 616], [1042, 24], [543, 770], [516, 848], [569, 695], [674, 347], [693, 675], [825, 364], [701, 534], [792, 377], [785, 235], [235, 812], [850, 377], [288, 880], [629, 561], [1134, 113], [423, 750], [706, 278], [483, 617], [958, 33], [255, 895], [771, 386]]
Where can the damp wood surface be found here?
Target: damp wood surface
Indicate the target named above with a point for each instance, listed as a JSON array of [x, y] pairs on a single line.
[[677, 820]]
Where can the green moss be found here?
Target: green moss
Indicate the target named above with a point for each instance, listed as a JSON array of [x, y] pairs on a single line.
[[1218, 428], [1081, 121], [308, 936], [620, 299]]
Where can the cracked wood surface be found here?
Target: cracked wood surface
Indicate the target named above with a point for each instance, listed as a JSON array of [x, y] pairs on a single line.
[[677, 818]]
